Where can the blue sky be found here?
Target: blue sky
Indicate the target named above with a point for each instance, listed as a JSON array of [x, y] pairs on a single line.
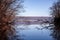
[[37, 7]]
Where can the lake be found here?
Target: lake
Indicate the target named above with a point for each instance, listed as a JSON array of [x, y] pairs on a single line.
[[33, 32]]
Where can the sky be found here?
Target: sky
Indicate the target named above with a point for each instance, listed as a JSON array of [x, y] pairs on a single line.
[[37, 7]]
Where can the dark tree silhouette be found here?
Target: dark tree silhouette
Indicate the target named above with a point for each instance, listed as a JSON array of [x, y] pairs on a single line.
[[55, 11], [8, 11]]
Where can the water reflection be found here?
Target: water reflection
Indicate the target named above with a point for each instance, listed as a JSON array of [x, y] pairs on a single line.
[[29, 32], [37, 32], [56, 32], [33, 32]]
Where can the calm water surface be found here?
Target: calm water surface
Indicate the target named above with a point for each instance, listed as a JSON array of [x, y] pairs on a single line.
[[33, 32]]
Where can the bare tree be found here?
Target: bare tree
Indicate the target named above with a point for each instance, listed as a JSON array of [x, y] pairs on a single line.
[[8, 11], [55, 11]]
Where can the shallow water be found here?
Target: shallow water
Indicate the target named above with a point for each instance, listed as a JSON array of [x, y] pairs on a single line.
[[33, 32]]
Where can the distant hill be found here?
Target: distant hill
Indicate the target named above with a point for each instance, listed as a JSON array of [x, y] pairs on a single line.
[[32, 20]]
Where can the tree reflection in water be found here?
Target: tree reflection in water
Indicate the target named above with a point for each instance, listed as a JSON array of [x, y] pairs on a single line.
[[56, 33], [55, 30]]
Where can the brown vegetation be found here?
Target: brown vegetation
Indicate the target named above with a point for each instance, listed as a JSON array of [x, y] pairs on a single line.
[[8, 10]]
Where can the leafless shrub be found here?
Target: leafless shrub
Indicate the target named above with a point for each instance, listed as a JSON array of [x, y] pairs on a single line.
[[8, 11]]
